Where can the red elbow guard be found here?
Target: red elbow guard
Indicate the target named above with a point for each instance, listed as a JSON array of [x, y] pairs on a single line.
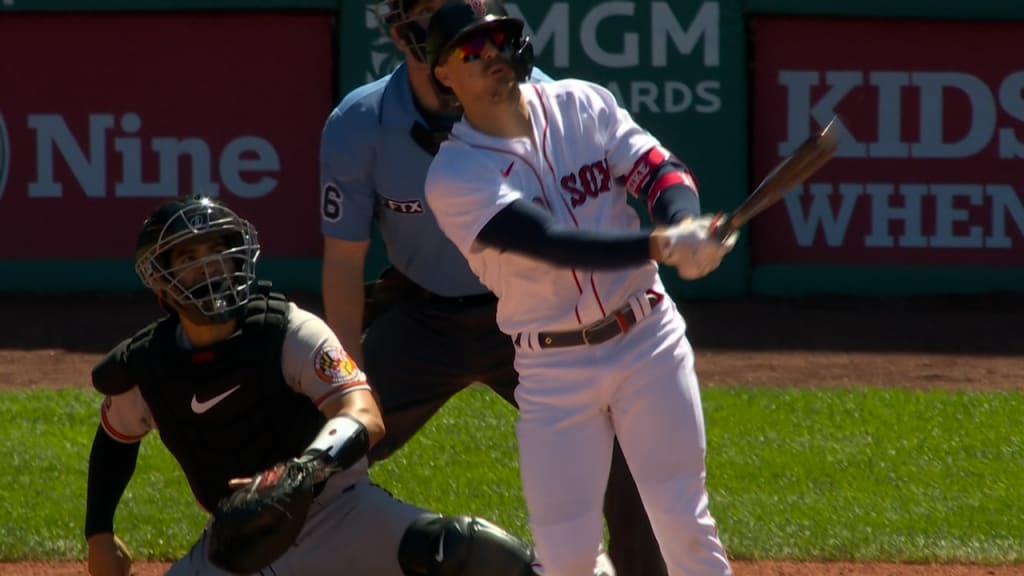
[[644, 169], [657, 165]]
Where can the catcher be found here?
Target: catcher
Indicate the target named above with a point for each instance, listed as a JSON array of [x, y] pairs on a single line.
[[270, 421]]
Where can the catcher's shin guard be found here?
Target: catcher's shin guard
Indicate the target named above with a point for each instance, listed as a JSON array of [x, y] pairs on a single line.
[[462, 546]]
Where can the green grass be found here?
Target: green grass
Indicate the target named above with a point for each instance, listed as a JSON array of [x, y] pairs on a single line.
[[465, 462], [45, 438], [796, 474], [868, 474]]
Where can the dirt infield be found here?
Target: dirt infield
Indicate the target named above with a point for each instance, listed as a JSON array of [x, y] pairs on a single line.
[[969, 343]]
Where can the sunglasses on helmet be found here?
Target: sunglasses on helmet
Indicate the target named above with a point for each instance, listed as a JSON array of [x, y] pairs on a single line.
[[473, 45]]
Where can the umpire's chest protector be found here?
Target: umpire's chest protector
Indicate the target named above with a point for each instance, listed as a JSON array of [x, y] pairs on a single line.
[[225, 411]]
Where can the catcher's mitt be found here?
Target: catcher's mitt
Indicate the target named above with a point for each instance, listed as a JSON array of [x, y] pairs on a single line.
[[257, 523]]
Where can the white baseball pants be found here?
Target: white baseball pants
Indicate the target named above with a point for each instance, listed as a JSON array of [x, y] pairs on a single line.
[[640, 386]]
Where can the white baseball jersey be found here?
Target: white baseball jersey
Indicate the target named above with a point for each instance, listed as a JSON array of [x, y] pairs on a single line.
[[585, 145], [639, 387]]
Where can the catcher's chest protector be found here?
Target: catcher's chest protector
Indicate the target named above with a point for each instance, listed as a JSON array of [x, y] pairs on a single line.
[[225, 411]]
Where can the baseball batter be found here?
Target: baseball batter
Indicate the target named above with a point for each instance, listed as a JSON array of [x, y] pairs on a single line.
[[532, 188], [428, 314], [237, 379]]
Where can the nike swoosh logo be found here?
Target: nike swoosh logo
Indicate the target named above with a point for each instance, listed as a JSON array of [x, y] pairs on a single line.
[[201, 407], [507, 171], [440, 550]]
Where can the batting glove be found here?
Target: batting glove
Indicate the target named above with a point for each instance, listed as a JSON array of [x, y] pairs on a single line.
[[688, 247]]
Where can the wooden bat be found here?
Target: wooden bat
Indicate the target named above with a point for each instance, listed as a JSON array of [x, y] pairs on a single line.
[[792, 171]]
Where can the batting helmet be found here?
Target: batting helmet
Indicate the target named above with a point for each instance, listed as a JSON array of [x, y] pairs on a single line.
[[226, 278], [457, 19]]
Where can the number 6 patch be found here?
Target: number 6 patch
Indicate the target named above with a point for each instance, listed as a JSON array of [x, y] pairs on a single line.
[[330, 203]]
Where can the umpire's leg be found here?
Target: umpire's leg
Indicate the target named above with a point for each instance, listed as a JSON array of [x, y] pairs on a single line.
[[632, 546], [412, 370]]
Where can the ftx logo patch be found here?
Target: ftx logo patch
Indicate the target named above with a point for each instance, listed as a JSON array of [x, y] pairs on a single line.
[[404, 206]]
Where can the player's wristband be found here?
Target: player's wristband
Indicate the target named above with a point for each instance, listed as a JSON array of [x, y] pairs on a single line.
[[341, 443]]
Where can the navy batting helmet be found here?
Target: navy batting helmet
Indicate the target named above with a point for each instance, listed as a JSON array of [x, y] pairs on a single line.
[[457, 19], [226, 278]]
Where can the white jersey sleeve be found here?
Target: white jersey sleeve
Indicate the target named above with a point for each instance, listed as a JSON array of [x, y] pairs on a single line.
[[313, 361], [623, 138], [126, 417], [465, 189]]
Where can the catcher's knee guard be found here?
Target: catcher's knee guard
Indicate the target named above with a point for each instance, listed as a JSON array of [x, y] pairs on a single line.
[[462, 546]]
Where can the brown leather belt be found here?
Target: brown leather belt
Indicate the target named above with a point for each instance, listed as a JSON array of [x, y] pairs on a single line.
[[618, 322]]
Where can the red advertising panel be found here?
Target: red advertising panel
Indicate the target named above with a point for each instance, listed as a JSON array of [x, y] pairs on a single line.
[[929, 170], [103, 116]]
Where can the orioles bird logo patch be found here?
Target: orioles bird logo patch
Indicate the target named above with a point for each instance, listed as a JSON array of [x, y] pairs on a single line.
[[334, 366]]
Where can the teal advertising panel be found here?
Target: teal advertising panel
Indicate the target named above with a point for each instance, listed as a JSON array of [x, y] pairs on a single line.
[[678, 67]]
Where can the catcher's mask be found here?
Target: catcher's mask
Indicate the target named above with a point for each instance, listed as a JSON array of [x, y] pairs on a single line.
[[213, 287], [458, 20], [411, 29]]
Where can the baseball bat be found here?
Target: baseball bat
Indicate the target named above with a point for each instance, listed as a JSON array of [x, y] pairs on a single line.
[[792, 171]]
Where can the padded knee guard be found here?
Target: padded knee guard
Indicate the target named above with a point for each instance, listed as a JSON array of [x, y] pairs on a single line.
[[462, 546]]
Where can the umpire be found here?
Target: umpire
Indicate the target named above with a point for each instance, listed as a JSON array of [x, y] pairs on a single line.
[[430, 327]]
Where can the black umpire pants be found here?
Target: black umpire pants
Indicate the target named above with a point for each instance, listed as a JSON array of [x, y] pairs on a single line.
[[419, 352]]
